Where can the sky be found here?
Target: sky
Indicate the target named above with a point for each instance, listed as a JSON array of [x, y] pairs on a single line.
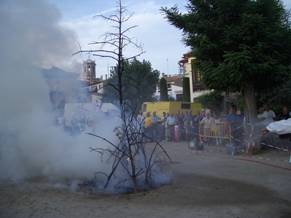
[[161, 41]]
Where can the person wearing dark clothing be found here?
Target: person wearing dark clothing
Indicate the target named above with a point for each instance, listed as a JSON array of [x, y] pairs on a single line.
[[187, 125], [163, 125], [170, 122], [181, 125], [155, 127], [285, 115], [235, 121], [233, 117]]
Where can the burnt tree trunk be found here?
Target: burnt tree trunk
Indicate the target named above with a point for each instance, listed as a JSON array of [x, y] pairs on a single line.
[[118, 40], [120, 58]]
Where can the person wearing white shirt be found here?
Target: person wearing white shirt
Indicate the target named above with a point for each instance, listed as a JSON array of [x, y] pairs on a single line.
[[268, 114]]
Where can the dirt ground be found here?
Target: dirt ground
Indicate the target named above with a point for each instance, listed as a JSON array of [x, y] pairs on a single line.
[[205, 184]]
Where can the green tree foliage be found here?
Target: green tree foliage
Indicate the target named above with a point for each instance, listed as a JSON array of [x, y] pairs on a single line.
[[212, 100], [139, 84], [186, 89], [241, 45], [276, 98], [163, 90]]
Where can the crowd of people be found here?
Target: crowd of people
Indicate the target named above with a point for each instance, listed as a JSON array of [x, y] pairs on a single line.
[[267, 114], [170, 127], [184, 126]]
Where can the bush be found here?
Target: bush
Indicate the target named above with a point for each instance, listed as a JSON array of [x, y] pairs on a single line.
[[213, 100], [276, 98]]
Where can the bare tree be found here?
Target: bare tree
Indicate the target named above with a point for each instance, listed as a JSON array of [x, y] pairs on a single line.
[[130, 154], [118, 40]]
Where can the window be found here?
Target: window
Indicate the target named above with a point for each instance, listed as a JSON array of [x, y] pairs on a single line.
[[195, 71]]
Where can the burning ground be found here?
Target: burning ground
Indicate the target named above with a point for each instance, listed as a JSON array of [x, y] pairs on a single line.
[[208, 184]]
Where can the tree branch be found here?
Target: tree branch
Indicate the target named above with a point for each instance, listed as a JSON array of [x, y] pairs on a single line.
[[95, 50], [135, 56], [103, 42], [127, 18], [129, 40], [106, 140], [103, 50], [107, 18], [105, 56], [129, 28]]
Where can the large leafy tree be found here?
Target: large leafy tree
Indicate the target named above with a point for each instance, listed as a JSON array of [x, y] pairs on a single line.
[[139, 84], [186, 89], [277, 97], [163, 90], [241, 45]]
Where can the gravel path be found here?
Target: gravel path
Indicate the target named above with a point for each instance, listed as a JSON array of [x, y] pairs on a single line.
[[205, 184]]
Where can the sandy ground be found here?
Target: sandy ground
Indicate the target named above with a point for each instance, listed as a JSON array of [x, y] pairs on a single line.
[[205, 184]]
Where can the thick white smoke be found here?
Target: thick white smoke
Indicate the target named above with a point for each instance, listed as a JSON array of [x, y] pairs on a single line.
[[30, 144]]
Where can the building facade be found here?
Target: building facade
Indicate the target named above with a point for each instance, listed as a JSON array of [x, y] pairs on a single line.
[[174, 84], [188, 67]]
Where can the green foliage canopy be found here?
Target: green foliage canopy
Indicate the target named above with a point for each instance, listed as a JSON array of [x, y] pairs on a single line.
[[186, 89], [139, 83], [212, 100], [163, 90], [276, 98], [237, 41]]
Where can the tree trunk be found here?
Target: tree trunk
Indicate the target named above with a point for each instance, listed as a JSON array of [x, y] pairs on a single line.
[[250, 102], [226, 102]]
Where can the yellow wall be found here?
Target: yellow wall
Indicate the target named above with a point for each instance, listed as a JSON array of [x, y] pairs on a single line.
[[195, 108], [169, 107]]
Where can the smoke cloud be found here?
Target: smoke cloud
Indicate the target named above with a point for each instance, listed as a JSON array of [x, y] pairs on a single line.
[[30, 143]]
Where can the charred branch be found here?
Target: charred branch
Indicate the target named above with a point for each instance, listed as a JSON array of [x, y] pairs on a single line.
[[104, 43], [131, 153]]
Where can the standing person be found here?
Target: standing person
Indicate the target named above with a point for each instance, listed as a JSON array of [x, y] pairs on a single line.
[[194, 126], [182, 126], [232, 116], [196, 122], [155, 126], [285, 115], [268, 115], [171, 121], [147, 120], [179, 128], [236, 125], [167, 129], [200, 116], [147, 125], [207, 123], [139, 120], [175, 135], [163, 126], [187, 125]]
